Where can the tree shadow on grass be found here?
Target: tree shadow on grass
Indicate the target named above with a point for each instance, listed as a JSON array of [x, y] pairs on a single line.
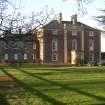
[[34, 91], [99, 104], [78, 70], [3, 100], [65, 87]]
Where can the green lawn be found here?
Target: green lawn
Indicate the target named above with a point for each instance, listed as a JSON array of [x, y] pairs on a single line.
[[52, 85]]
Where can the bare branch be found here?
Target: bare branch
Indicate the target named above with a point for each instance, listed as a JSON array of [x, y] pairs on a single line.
[[101, 18], [81, 4]]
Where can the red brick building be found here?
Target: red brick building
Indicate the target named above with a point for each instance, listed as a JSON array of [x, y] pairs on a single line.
[[64, 42]]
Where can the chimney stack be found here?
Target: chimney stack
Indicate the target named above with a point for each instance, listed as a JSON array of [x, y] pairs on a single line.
[[74, 18], [60, 17]]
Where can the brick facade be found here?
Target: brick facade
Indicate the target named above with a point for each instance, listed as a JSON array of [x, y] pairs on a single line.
[[60, 42], [87, 47]]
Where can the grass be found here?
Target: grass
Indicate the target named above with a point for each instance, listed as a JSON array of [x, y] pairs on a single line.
[[30, 85]]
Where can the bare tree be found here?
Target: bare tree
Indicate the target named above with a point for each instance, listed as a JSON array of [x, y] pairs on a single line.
[[13, 20], [14, 25], [81, 4], [9, 2], [101, 18], [37, 20], [7, 14]]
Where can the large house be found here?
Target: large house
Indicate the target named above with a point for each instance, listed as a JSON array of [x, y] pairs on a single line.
[[19, 48], [66, 42], [60, 42]]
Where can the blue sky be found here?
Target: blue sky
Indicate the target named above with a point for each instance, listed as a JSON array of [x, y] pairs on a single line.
[[68, 8]]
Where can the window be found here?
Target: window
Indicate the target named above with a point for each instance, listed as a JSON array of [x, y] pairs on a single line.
[[3, 44], [25, 56], [34, 45], [15, 56], [74, 44], [6, 56], [54, 32], [74, 33], [91, 44], [12, 43], [91, 33], [54, 57], [19, 44], [81, 57], [54, 45], [34, 56], [91, 57]]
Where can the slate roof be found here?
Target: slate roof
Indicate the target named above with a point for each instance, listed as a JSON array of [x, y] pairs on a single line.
[[15, 37], [88, 27], [55, 24]]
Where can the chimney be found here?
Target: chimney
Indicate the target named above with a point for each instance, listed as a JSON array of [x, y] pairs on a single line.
[[60, 17], [74, 18]]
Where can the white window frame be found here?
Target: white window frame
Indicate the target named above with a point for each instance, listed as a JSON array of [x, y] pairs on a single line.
[[91, 57], [54, 45], [34, 56], [91, 45], [91, 33], [6, 56], [54, 31], [54, 56], [34, 46], [16, 56], [25, 56], [74, 41], [74, 33]]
